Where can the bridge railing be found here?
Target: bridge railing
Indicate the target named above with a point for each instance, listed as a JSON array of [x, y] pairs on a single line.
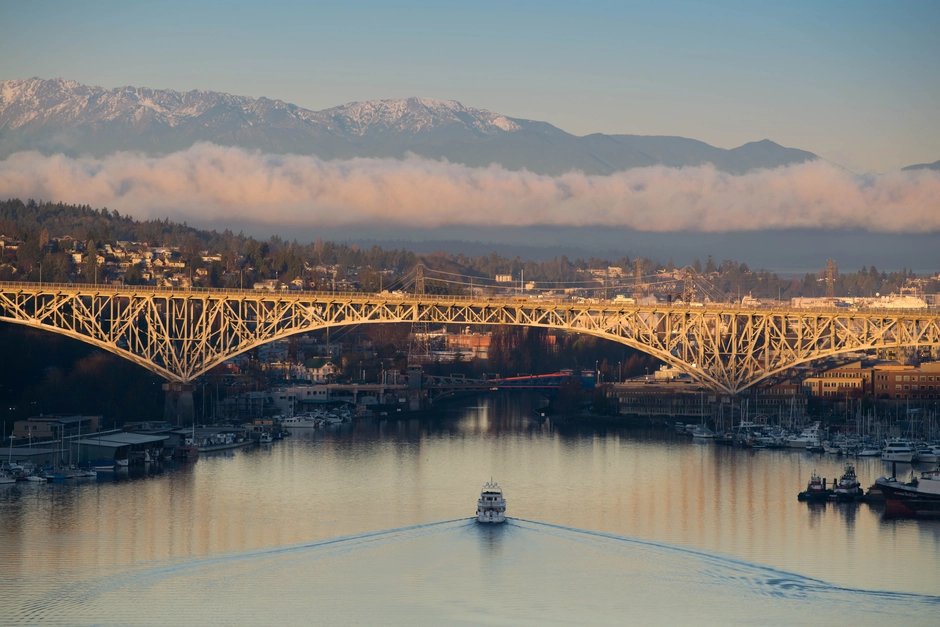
[[298, 294]]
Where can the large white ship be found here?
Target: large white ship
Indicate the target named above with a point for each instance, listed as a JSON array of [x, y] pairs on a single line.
[[491, 508]]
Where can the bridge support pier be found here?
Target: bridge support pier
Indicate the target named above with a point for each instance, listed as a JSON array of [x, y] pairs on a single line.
[[178, 404]]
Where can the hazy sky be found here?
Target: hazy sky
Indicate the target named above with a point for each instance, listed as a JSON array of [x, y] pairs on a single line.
[[855, 82]]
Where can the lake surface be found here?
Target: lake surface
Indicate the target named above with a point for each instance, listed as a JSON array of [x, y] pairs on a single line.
[[370, 524]]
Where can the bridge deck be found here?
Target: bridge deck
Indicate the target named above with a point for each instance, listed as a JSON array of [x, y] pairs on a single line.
[[182, 333]]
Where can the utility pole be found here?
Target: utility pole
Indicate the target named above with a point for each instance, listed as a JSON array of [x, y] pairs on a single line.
[[830, 280], [638, 290]]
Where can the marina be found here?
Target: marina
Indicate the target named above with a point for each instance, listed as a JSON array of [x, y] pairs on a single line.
[[583, 497]]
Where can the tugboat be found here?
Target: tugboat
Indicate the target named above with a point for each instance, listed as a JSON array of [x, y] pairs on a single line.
[[491, 508], [848, 489], [816, 490]]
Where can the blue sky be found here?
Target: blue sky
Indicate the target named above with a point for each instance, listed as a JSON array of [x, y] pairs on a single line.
[[855, 82]]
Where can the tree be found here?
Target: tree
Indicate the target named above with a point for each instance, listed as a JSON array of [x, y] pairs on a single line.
[[133, 275]]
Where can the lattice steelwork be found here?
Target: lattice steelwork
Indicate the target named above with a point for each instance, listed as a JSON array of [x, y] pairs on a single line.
[[180, 334]]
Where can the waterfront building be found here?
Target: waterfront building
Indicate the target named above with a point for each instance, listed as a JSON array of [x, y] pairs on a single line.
[[45, 428], [852, 380], [649, 396], [908, 382], [115, 445]]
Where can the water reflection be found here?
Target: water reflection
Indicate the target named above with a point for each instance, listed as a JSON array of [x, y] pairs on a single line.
[[319, 485]]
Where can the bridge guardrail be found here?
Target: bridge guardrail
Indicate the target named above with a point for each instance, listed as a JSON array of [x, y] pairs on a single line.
[[521, 301]]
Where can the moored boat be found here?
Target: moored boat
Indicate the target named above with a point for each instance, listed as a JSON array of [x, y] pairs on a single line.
[[898, 451], [816, 490], [810, 436], [491, 508], [848, 488], [925, 455], [702, 432], [918, 497], [301, 421]]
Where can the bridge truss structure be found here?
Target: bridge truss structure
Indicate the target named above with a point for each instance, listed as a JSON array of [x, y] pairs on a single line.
[[180, 334]]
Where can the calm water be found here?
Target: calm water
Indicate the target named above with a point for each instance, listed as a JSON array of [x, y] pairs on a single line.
[[369, 524]]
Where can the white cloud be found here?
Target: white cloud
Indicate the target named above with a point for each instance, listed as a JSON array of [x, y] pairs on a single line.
[[211, 183]]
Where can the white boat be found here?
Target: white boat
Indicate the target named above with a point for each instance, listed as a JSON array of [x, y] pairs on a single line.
[[809, 437], [926, 456], [5, 478], [300, 422], [703, 433], [898, 451], [491, 508], [869, 451]]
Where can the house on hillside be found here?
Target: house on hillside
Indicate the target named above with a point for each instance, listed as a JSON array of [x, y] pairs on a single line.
[[321, 370]]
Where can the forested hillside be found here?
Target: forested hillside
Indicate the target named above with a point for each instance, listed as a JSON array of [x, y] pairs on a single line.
[[54, 240]]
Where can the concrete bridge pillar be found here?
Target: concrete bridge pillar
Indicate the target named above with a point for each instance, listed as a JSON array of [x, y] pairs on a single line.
[[178, 404]]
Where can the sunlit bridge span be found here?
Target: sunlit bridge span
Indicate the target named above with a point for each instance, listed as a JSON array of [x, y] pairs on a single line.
[[182, 333]]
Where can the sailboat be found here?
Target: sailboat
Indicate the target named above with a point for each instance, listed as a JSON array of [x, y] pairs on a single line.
[[701, 431]]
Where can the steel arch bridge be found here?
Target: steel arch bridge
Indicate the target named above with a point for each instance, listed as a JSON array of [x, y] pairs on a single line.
[[182, 333]]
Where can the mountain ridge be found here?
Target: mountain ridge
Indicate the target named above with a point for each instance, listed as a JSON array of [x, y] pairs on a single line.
[[923, 166], [61, 115]]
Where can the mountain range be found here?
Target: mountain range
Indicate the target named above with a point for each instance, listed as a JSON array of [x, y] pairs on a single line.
[[63, 116], [924, 166]]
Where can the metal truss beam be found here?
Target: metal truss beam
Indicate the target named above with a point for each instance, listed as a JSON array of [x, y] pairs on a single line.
[[181, 334]]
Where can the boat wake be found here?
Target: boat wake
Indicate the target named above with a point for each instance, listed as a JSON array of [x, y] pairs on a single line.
[[758, 579], [528, 572]]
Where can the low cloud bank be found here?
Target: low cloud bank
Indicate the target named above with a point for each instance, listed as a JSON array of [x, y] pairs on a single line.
[[209, 183]]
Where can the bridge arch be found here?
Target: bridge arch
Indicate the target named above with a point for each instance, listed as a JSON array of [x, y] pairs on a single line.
[[181, 334]]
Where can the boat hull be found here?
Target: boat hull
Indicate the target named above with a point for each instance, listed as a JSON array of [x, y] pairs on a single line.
[[211, 448], [903, 500], [820, 496], [904, 458]]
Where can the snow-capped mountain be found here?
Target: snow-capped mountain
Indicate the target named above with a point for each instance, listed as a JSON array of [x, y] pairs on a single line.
[[65, 116], [413, 116]]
